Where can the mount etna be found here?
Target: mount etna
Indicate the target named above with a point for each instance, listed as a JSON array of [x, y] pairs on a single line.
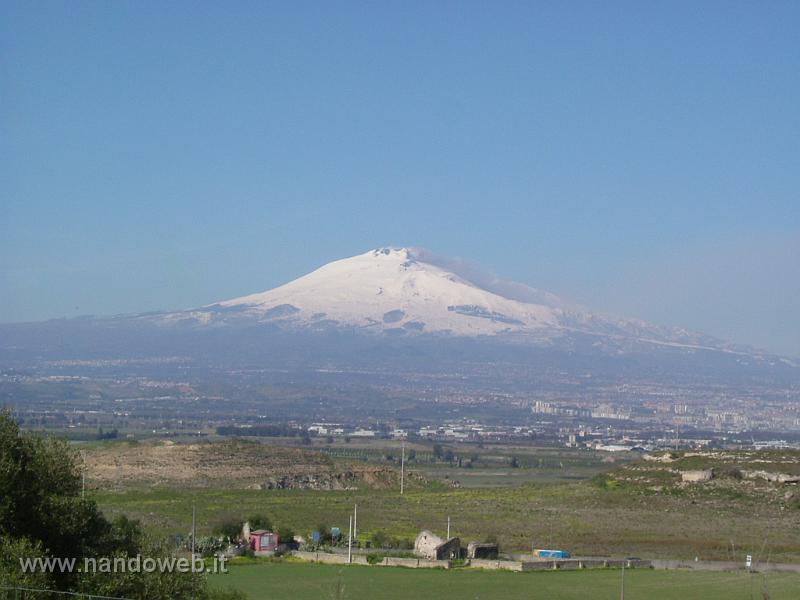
[[396, 308]]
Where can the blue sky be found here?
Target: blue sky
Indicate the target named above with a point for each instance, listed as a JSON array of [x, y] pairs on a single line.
[[641, 158]]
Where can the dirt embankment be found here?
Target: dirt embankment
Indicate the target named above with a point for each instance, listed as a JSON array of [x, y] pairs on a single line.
[[233, 464]]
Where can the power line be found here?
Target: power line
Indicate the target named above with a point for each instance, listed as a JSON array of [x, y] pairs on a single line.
[[194, 529], [350, 541]]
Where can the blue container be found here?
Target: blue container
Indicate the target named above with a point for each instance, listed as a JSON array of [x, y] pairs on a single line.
[[551, 553]]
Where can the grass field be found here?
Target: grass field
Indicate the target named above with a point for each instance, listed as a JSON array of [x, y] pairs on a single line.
[[489, 465], [586, 519], [638, 508], [303, 580]]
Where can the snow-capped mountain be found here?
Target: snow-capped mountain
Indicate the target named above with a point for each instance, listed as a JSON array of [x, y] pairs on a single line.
[[392, 290], [400, 306], [411, 292]]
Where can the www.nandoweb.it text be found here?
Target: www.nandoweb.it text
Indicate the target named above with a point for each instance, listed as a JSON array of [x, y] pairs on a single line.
[[120, 564]]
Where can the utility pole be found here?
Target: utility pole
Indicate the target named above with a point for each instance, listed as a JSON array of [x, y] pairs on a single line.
[[448, 527], [402, 468], [355, 523], [350, 541], [194, 532], [622, 584]]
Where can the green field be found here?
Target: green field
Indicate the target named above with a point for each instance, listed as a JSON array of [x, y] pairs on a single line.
[[617, 509], [584, 518], [579, 501], [303, 580], [482, 465]]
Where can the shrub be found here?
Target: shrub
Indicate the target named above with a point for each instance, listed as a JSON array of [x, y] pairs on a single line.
[[259, 521], [732, 472], [11, 551], [286, 535], [208, 545], [379, 539], [229, 528], [324, 533]]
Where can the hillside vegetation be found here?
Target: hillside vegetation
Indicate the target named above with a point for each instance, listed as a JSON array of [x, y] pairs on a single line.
[[768, 478], [236, 464]]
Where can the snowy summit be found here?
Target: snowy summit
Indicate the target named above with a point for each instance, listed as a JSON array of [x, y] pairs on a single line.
[[411, 292], [394, 290]]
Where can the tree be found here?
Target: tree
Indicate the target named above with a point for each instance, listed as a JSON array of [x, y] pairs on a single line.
[[285, 535], [229, 528], [493, 539], [40, 493], [379, 539], [437, 451], [127, 535], [259, 521], [11, 551], [43, 514], [324, 533]]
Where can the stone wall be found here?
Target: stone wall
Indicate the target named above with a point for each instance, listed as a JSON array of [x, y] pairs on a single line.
[[494, 565], [561, 564], [415, 563], [361, 559], [708, 565], [330, 558]]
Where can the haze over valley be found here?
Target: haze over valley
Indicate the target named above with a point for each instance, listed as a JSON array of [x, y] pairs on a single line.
[[398, 338]]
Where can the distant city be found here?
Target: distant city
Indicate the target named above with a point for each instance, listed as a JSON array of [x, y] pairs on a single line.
[[126, 399]]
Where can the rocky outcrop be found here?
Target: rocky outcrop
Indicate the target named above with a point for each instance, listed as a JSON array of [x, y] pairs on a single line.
[[771, 477], [344, 480]]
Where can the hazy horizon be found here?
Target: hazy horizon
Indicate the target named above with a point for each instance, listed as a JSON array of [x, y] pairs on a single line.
[[639, 160]]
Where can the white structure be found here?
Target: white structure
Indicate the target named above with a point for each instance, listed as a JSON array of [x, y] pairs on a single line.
[[697, 476], [427, 543]]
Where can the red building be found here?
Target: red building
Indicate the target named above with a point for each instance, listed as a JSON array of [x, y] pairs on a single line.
[[262, 540]]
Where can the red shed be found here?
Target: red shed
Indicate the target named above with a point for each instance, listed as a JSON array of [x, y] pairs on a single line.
[[262, 540]]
